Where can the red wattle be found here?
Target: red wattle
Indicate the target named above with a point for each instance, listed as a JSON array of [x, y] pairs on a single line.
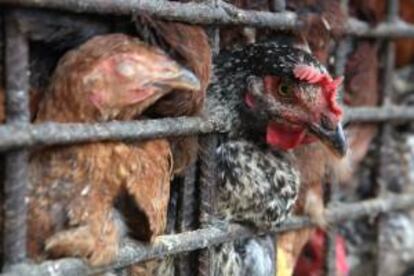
[[284, 137]]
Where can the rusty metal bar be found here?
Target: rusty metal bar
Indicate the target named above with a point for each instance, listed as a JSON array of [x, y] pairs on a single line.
[[342, 51], [12, 137], [398, 29], [195, 13], [132, 252], [214, 32], [206, 13], [379, 114], [55, 133], [341, 56], [187, 217], [207, 180], [387, 92], [207, 185], [331, 232], [386, 129], [392, 10], [278, 5], [17, 111], [330, 253]]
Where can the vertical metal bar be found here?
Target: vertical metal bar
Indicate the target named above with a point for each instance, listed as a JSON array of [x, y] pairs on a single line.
[[386, 129], [330, 257], [345, 6], [187, 211], [277, 5], [207, 177], [214, 33], [388, 73], [330, 237], [207, 183], [2, 46], [17, 112], [393, 8], [386, 132], [186, 217], [342, 51]]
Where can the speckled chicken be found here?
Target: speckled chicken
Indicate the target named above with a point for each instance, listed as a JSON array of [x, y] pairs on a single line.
[[74, 190], [274, 98]]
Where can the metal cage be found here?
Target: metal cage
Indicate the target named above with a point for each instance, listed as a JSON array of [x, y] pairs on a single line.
[[18, 134]]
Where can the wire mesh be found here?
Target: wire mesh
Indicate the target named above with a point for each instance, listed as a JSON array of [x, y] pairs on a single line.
[[17, 134]]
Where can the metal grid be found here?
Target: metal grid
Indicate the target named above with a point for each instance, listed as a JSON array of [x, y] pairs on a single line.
[[18, 134]]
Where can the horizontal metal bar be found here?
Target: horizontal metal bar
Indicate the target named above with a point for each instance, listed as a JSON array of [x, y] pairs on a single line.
[[12, 137], [396, 29], [195, 13], [379, 114], [132, 252], [208, 13], [56, 133]]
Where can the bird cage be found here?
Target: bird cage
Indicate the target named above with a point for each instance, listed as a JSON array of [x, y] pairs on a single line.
[[191, 199]]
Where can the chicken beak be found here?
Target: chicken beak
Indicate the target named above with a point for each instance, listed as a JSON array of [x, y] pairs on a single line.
[[334, 139], [184, 79]]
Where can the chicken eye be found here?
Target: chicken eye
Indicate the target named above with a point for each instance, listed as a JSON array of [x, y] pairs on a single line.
[[126, 69], [284, 90]]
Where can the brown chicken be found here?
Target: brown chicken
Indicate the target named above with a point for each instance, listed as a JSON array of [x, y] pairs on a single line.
[[324, 22], [188, 44], [374, 12], [361, 89], [74, 189]]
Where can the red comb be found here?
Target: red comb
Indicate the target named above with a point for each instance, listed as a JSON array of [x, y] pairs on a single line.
[[312, 75]]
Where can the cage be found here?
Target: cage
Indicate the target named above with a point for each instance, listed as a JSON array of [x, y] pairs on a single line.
[[18, 135]]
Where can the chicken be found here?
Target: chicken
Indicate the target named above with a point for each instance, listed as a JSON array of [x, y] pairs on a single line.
[[188, 44], [310, 202], [324, 21], [361, 89], [274, 98], [74, 190], [374, 12], [312, 261], [59, 31]]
